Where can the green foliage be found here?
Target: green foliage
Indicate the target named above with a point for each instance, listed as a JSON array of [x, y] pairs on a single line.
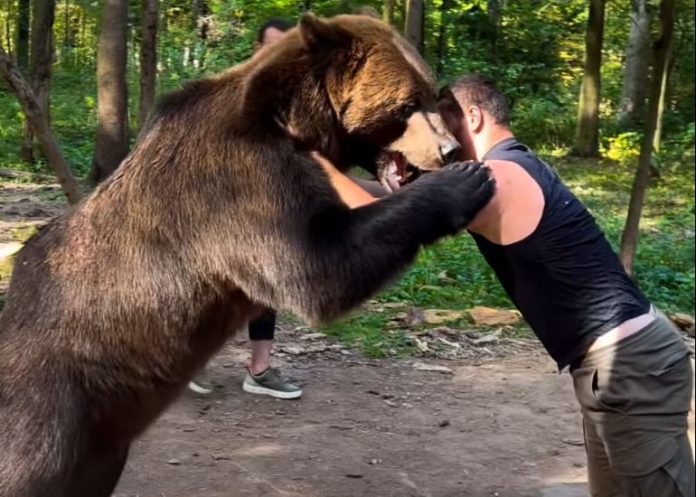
[[623, 148]]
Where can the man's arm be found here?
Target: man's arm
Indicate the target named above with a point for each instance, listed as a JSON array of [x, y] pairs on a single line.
[[351, 194]]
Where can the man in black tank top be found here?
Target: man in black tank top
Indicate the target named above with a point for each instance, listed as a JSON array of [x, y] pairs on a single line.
[[631, 370]]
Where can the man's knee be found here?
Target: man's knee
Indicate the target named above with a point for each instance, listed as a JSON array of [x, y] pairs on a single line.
[[674, 478]]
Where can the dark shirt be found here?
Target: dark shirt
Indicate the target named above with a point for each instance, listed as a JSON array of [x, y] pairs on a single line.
[[564, 277]]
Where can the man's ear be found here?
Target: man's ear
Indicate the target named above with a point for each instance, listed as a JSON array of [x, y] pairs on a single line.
[[318, 33]]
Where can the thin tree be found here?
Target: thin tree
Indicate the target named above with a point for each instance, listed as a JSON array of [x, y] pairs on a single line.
[[148, 60], [587, 132], [634, 90], [22, 37], [445, 8], [38, 120], [664, 87], [631, 232], [40, 62], [388, 12], [112, 94], [414, 25]]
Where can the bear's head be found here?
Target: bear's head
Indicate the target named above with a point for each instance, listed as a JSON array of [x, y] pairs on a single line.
[[354, 89]]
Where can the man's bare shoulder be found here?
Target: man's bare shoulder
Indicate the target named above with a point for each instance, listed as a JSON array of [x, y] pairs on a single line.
[[516, 207]]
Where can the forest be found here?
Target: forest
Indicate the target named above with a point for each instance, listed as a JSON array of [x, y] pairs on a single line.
[[602, 88]]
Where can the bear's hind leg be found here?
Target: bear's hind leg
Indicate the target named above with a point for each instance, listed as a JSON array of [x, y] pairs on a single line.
[[97, 471]]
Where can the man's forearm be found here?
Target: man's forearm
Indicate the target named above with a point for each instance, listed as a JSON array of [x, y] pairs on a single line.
[[347, 188]]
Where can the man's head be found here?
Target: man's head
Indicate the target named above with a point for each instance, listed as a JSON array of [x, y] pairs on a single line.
[[476, 112], [271, 31]]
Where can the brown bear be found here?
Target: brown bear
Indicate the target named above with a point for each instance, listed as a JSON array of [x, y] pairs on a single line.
[[218, 210]]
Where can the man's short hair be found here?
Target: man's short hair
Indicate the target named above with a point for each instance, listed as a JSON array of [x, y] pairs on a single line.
[[482, 92], [279, 24]]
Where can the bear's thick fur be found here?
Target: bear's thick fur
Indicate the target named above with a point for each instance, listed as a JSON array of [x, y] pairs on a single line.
[[218, 209]]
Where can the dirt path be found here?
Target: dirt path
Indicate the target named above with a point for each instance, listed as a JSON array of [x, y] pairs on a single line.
[[508, 428]]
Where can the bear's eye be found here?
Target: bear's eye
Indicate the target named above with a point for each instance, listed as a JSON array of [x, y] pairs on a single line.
[[407, 110]]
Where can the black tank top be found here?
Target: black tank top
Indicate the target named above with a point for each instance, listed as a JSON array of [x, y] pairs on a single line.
[[564, 277]]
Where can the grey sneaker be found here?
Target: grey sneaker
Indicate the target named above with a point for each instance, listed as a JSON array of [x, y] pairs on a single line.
[[271, 382], [201, 387]]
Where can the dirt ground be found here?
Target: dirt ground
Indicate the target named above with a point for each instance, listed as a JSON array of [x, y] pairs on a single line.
[[507, 427], [503, 423]]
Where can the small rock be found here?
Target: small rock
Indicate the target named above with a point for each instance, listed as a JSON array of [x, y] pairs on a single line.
[[441, 316], [421, 345], [492, 337], [174, 462], [353, 475], [419, 366], [415, 317], [487, 316], [392, 325], [573, 441], [443, 423], [684, 322], [221, 457], [292, 350]]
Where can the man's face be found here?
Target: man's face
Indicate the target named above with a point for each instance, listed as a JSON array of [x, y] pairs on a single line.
[[271, 35], [456, 120]]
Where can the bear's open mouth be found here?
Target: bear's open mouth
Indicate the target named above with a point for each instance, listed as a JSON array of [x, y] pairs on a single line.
[[394, 171]]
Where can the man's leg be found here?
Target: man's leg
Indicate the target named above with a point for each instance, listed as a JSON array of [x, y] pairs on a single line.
[[673, 479], [637, 395], [601, 479]]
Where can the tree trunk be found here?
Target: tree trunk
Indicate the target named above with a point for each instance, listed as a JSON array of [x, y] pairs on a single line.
[[388, 12], [494, 12], [66, 27], [442, 36], [42, 51], [413, 27], [629, 237], [112, 93], [38, 119], [587, 133], [148, 60], [636, 73], [664, 86], [40, 62], [22, 43]]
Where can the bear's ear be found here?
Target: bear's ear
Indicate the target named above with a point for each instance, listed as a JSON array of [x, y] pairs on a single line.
[[318, 33]]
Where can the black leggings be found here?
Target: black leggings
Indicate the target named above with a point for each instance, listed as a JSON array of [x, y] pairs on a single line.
[[263, 327]]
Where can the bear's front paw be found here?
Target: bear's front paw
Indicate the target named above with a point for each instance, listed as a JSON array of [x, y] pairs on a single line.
[[473, 187]]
